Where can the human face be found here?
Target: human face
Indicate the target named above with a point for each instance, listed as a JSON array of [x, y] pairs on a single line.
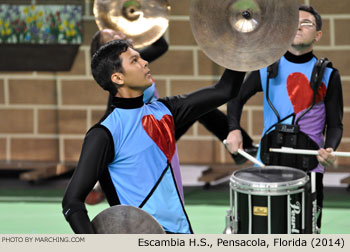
[[136, 75], [306, 34]]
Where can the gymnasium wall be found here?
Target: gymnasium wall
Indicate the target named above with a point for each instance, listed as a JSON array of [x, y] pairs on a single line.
[[45, 115]]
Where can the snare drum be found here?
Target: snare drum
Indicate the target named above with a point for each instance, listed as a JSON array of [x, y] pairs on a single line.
[[270, 200]]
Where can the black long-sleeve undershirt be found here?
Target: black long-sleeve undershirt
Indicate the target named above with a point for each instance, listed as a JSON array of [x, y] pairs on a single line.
[[190, 107], [97, 152], [98, 147], [334, 112], [250, 86], [155, 50]]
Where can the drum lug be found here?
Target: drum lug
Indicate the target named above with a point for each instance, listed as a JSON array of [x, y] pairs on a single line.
[[231, 223]]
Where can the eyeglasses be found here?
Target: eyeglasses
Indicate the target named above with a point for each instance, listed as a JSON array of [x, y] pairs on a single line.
[[306, 24]]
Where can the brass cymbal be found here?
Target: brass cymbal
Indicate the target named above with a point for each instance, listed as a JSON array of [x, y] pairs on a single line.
[[143, 21], [244, 35], [122, 219]]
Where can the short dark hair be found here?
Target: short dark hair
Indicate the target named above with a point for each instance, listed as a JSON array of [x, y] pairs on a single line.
[[107, 61], [314, 12], [95, 42]]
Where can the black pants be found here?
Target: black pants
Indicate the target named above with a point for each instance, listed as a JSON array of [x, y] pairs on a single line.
[[319, 195]]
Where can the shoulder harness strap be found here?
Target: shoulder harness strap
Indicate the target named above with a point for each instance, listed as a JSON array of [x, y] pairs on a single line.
[[296, 139]]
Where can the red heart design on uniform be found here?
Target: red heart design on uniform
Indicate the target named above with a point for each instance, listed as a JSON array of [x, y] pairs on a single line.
[[301, 94], [161, 132]]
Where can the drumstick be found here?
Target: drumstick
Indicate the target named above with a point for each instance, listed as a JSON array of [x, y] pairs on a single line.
[[250, 157], [307, 152], [247, 156]]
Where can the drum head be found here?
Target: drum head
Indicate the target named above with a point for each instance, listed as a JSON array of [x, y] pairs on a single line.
[[126, 220], [269, 177]]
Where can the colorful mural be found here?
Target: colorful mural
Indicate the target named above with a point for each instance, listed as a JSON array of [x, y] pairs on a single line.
[[41, 24]]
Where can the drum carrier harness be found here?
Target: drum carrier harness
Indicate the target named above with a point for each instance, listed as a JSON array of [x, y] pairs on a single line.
[[289, 135]]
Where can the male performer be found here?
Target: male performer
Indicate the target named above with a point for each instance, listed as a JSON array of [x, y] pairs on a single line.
[[131, 149], [288, 96], [215, 121], [149, 53]]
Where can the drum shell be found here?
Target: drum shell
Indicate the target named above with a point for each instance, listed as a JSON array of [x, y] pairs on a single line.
[[263, 207]]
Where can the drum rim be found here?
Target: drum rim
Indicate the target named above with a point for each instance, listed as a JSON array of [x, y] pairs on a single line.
[[269, 186]]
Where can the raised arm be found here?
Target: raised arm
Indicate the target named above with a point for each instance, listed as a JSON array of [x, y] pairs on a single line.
[[154, 51], [189, 107]]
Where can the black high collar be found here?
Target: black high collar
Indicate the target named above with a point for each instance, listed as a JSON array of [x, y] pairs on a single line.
[[127, 103], [299, 59]]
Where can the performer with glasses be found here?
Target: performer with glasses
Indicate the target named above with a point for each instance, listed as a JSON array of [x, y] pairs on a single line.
[[313, 113]]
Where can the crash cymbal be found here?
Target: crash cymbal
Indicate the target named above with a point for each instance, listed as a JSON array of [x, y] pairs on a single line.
[[143, 21], [123, 219], [244, 35]]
